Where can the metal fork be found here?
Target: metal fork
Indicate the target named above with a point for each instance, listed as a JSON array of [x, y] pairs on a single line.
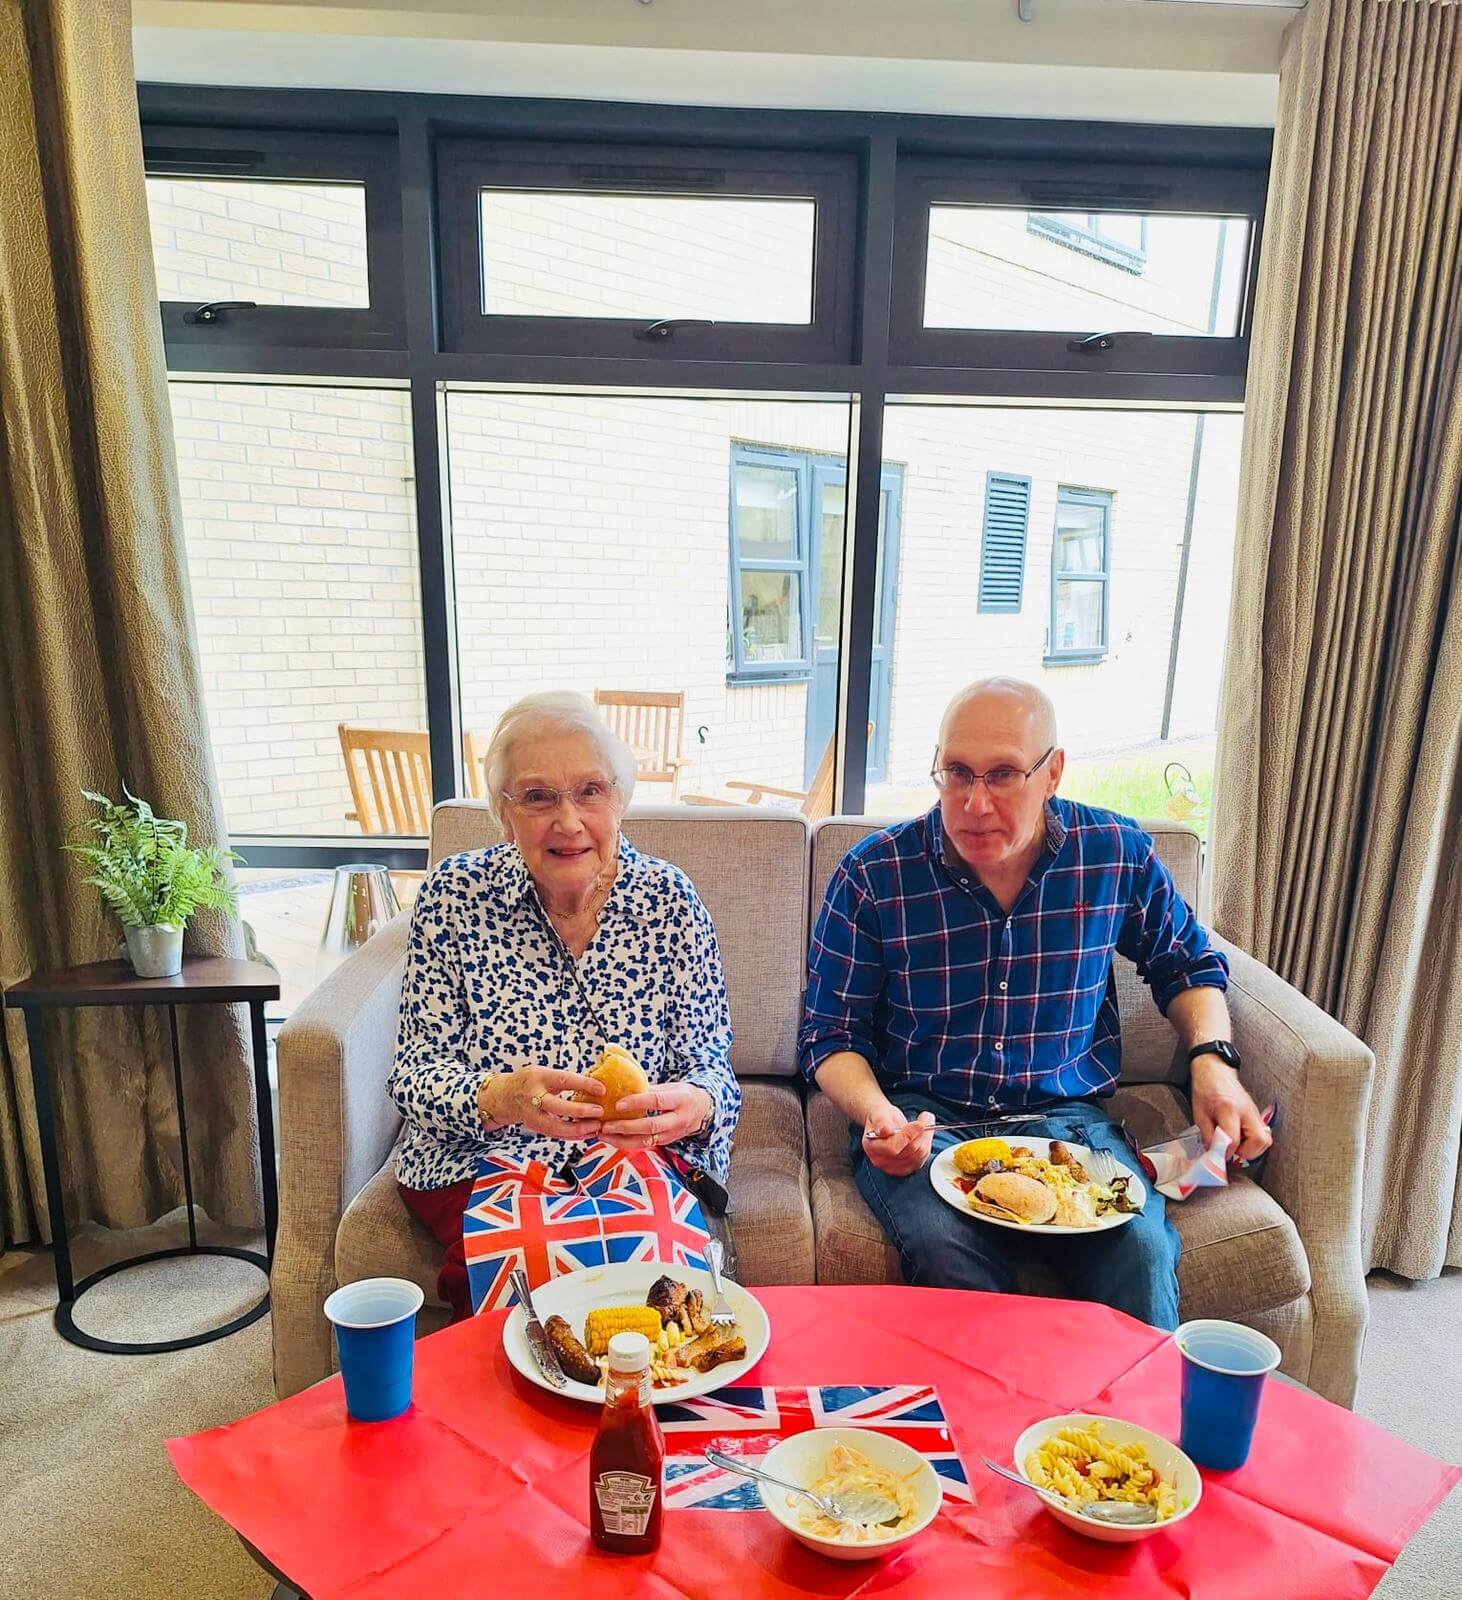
[[721, 1313], [1101, 1165]]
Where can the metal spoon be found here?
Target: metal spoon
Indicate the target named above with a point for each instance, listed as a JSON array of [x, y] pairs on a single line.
[[1117, 1511], [858, 1506]]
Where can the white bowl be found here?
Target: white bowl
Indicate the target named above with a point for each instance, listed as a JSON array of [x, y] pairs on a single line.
[[1162, 1453], [801, 1459]]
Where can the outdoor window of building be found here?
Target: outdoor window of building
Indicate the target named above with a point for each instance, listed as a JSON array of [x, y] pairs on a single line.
[[1118, 238], [1080, 569]]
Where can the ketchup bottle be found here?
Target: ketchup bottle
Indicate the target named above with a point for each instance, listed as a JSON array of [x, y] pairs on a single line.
[[627, 1461]]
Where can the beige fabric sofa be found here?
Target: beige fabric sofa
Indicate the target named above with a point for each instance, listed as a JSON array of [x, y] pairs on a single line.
[[1284, 1257]]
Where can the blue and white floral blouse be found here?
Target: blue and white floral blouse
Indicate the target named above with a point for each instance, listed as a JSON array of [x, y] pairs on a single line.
[[487, 989]]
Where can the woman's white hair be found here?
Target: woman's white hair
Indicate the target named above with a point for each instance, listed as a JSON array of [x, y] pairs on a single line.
[[553, 711]]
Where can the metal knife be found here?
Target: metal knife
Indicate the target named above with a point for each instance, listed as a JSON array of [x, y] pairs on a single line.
[[543, 1352]]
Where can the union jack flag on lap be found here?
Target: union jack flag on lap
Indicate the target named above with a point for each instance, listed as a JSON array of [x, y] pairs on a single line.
[[616, 1206], [748, 1422]]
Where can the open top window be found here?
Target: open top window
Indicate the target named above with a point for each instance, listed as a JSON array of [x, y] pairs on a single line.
[[1096, 271], [262, 242], [643, 253]]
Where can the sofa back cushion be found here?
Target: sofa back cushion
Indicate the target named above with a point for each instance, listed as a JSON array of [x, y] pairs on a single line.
[[750, 868], [1149, 1045]]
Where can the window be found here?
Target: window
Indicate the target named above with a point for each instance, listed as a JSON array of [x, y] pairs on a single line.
[[647, 253], [1080, 570], [1016, 267], [1002, 544], [272, 243], [563, 394], [1156, 597], [299, 524], [645, 256], [1119, 239], [590, 542], [265, 240], [770, 542]]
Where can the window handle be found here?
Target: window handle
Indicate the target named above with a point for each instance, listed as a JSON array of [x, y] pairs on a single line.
[[666, 327], [209, 310], [1096, 343]]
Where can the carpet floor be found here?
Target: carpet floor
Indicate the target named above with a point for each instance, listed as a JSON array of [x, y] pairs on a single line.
[[90, 1508]]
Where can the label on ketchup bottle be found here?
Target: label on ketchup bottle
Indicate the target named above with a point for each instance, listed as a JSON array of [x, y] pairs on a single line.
[[626, 1500]]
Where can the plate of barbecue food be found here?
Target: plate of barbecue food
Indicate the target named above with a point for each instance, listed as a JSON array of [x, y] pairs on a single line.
[[1040, 1185], [690, 1355]]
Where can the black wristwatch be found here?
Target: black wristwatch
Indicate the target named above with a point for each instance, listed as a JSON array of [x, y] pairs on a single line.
[[1221, 1048]]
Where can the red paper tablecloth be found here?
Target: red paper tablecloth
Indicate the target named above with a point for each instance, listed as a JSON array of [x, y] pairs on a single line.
[[482, 1487]]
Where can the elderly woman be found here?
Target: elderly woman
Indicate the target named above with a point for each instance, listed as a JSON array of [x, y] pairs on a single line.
[[527, 959]]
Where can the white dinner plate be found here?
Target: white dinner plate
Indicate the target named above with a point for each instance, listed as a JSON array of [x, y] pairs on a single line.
[[574, 1294], [942, 1175]]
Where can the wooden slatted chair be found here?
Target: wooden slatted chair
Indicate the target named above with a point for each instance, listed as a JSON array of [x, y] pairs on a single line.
[[652, 723], [816, 801], [389, 771]]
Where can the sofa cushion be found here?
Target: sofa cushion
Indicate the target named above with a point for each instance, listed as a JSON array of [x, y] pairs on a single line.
[[771, 1219], [851, 1247], [749, 867], [771, 1213], [1240, 1254]]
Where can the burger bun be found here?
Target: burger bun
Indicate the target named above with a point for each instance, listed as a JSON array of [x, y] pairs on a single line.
[[1013, 1195], [621, 1076]]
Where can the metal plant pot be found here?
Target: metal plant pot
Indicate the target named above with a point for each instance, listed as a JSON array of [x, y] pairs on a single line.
[[155, 952]]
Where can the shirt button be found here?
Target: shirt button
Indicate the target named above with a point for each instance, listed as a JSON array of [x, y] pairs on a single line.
[[1004, 986], [1000, 1044]]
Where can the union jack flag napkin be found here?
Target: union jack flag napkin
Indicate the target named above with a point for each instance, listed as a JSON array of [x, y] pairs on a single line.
[[616, 1206], [749, 1421]]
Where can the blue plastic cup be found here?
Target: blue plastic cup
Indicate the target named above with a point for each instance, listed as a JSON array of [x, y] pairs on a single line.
[[375, 1332], [1224, 1368]]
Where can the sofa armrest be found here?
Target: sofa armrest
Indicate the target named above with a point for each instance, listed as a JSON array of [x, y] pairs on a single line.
[[1319, 1076], [336, 1127]]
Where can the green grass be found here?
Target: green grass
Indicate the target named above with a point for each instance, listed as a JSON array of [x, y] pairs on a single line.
[[1133, 784]]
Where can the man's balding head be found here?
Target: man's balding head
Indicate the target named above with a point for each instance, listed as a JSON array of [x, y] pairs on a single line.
[[1010, 702], [998, 726]]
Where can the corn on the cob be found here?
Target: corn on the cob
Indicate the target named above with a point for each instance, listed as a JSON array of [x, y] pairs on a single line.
[[601, 1326]]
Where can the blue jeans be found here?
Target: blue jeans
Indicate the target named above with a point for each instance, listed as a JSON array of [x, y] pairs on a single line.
[[1133, 1268]]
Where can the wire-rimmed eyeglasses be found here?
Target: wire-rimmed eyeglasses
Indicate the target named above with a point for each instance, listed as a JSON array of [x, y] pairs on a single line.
[[594, 794], [957, 779]]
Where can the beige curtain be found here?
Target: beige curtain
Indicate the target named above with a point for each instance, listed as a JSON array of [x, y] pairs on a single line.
[[100, 678], [1338, 822]]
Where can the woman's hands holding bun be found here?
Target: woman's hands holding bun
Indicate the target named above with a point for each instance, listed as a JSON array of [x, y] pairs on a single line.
[[569, 1104]]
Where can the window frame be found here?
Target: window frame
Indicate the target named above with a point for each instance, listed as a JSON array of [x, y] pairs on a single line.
[[1082, 655], [466, 167], [1215, 364], [370, 160], [738, 669]]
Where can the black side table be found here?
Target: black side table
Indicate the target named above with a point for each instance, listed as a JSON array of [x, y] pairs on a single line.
[[204, 980]]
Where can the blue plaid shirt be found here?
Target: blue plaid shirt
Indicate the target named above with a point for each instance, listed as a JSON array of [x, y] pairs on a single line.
[[916, 967]]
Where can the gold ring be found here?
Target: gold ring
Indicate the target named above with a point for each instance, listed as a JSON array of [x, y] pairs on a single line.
[[536, 1101], [654, 1138]]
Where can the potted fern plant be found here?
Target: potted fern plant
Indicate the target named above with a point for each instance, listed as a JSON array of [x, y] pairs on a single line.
[[150, 877]]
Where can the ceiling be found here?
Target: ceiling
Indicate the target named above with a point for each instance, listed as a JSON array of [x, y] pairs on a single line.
[[1145, 60]]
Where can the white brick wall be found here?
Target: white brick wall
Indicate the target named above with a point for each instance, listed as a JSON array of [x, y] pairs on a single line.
[[590, 532], [299, 244], [301, 541]]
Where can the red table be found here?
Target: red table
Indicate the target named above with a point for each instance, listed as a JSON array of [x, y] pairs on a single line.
[[482, 1487]]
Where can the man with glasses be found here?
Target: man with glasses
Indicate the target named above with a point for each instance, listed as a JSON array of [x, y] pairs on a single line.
[[961, 973]]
